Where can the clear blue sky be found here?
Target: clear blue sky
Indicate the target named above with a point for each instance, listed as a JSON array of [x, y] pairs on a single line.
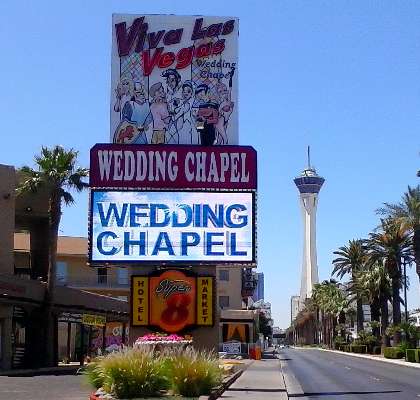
[[342, 76]]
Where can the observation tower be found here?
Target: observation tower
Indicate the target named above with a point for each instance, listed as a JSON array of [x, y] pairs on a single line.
[[309, 184]]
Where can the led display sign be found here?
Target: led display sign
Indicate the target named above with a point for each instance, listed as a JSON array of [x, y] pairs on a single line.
[[182, 227]]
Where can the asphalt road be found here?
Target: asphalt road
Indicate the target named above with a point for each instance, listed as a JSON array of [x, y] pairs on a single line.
[[48, 387], [324, 375]]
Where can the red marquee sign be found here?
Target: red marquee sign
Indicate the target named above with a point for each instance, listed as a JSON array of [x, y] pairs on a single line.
[[173, 166]]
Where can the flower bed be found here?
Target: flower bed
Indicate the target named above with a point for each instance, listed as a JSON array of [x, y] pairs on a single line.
[[160, 338]]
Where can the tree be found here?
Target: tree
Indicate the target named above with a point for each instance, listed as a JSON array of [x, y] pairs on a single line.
[[390, 247], [374, 283], [406, 213], [333, 304], [264, 325], [350, 260], [58, 174]]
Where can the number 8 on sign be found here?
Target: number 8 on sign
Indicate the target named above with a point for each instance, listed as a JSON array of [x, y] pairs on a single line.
[[177, 311], [172, 301]]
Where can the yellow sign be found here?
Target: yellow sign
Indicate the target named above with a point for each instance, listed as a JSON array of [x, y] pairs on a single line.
[[205, 300], [95, 320], [140, 301]]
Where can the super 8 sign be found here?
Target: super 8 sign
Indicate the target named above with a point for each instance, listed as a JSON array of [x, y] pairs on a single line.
[[172, 301]]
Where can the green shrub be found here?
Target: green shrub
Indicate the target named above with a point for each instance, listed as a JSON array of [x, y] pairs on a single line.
[[194, 373], [412, 355], [346, 348], [358, 348], [341, 347], [365, 338], [94, 373], [132, 373], [393, 352], [403, 346]]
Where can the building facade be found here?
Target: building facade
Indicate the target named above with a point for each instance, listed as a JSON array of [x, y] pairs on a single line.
[[80, 318], [259, 290]]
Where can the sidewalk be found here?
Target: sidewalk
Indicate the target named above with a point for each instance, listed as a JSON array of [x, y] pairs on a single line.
[[261, 380], [367, 356]]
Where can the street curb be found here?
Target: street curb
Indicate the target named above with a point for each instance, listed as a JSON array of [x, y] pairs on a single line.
[[291, 384], [70, 370], [366, 357], [216, 393]]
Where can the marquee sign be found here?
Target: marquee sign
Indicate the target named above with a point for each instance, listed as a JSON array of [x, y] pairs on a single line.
[[179, 167], [174, 80], [163, 227], [172, 301]]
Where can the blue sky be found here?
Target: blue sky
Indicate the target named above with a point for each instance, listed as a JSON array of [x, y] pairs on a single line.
[[341, 76]]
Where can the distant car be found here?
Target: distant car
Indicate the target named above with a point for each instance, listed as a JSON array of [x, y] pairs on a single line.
[[281, 346]]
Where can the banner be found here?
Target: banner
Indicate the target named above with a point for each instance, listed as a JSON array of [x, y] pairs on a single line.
[[162, 227], [205, 301], [169, 166], [95, 320], [174, 80], [140, 301]]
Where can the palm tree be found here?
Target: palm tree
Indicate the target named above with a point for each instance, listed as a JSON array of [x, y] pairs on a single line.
[[391, 247], [352, 259], [56, 173], [406, 213], [332, 303], [374, 283]]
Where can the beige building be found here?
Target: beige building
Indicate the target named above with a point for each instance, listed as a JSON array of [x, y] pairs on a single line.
[[73, 270]]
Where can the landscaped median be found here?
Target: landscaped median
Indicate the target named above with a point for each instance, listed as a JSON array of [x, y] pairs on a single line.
[[394, 355], [158, 368]]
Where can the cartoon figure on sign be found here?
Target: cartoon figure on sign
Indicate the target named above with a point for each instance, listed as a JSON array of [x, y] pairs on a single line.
[[183, 117], [160, 113], [225, 111], [174, 100], [208, 115], [123, 93], [137, 111], [173, 88]]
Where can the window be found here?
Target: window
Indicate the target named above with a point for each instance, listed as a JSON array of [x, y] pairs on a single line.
[[102, 275], [223, 275], [122, 275], [223, 301], [61, 272]]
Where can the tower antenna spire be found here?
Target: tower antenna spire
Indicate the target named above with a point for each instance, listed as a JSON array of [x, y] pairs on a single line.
[[309, 157]]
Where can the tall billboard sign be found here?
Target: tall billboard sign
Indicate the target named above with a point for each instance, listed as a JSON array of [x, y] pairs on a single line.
[[174, 80], [172, 205]]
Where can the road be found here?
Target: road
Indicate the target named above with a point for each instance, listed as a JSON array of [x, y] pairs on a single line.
[[324, 375], [48, 387]]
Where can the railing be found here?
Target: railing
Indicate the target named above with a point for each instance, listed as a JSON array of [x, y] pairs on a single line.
[[99, 281]]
